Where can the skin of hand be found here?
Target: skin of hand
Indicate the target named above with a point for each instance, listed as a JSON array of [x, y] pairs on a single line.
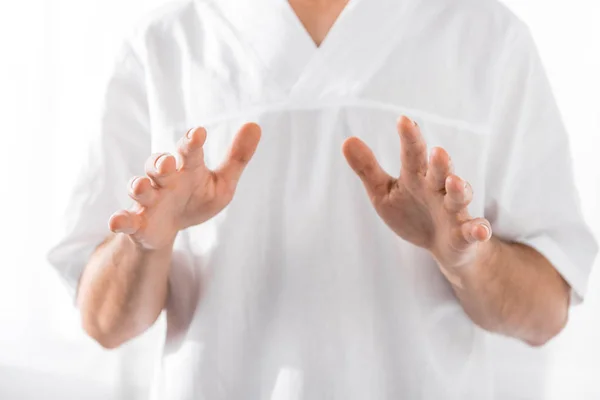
[[183, 192], [506, 288], [124, 287], [427, 204]]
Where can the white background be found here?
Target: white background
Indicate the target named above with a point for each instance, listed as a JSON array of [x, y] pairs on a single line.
[[54, 55]]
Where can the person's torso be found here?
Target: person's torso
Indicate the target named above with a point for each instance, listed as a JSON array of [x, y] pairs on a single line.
[[298, 285]]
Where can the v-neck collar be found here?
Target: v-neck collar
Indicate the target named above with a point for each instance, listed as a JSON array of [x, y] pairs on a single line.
[[361, 36]]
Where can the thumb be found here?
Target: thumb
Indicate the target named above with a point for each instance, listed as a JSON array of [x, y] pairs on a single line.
[[241, 151], [363, 162]]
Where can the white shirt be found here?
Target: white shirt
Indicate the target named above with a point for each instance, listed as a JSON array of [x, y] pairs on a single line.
[[298, 290]]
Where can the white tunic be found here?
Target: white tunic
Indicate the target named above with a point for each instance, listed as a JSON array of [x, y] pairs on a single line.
[[298, 290]]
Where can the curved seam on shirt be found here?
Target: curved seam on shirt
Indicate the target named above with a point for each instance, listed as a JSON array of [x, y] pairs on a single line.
[[367, 104]]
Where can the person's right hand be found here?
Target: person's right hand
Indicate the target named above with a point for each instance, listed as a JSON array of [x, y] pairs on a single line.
[[174, 196]]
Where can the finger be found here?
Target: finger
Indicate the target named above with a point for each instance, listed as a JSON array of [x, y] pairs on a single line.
[[476, 230], [363, 162], [190, 148], [413, 152], [124, 222], [160, 168], [141, 190], [440, 166], [241, 151], [458, 194]]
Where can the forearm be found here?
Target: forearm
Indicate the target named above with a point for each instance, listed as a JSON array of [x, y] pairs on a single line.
[[123, 290], [513, 290]]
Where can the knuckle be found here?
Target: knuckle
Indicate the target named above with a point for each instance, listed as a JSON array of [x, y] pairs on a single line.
[[138, 190]]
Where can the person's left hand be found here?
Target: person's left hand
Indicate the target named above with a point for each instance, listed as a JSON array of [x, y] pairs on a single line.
[[427, 204]]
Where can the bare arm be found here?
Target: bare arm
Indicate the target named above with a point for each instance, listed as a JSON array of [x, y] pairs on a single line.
[[513, 290], [124, 287], [123, 290]]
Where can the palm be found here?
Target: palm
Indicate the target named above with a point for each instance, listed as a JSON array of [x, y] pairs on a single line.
[[427, 204], [173, 197], [408, 213]]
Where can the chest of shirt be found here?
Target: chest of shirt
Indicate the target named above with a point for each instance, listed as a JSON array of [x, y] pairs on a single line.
[[218, 72]]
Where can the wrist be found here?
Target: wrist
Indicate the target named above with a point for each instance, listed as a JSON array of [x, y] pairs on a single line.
[[144, 250], [461, 276]]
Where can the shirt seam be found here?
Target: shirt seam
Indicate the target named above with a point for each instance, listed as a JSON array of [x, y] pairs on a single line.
[[413, 113]]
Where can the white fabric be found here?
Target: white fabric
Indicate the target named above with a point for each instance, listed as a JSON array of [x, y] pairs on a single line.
[[297, 286]]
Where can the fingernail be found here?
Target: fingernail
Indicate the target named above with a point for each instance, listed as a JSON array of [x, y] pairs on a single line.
[[133, 181], [412, 121], [190, 133], [159, 161], [487, 230]]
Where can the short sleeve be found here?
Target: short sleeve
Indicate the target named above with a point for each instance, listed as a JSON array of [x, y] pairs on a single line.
[[531, 197], [120, 145]]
